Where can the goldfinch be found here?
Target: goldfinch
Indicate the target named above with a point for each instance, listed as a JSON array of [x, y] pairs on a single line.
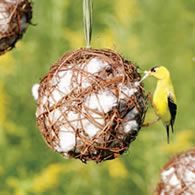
[[164, 100]]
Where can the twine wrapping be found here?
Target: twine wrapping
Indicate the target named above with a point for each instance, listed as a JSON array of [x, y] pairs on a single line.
[[88, 105], [178, 175], [15, 15]]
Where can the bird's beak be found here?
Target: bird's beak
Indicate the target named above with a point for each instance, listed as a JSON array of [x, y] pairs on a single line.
[[146, 74]]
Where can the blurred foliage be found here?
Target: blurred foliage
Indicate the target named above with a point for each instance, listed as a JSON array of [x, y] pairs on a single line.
[[147, 32]]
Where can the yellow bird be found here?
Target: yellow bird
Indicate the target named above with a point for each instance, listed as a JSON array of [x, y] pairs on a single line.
[[164, 100]]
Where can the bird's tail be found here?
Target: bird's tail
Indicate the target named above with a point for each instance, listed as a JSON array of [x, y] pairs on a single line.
[[167, 127], [172, 127]]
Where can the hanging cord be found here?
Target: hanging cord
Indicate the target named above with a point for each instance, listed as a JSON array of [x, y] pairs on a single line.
[[87, 20]]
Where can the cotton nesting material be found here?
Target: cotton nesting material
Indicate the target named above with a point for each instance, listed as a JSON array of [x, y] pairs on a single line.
[[178, 175], [15, 15], [88, 106]]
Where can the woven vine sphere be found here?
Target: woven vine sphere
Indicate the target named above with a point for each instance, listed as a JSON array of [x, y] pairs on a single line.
[[178, 175], [15, 15], [89, 106]]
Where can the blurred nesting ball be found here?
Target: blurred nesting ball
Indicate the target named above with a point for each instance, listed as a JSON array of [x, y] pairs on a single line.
[[89, 105], [178, 175], [15, 15]]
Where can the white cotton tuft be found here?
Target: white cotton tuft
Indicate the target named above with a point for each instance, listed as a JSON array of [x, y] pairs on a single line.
[[62, 86], [187, 193], [131, 114], [73, 119], [103, 101], [11, 1], [90, 128], [126, 91], [162, 193], [84, 82], [65, 81], [189, 176], [170, 175], [67, 141], [4, 17], [137, 83], [95, 65], [35, 89], [167, 172], [130, 125], [174, 181], [55, 96], [93, 127], [54, 116]]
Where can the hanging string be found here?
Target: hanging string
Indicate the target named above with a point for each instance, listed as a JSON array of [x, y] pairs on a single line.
[[87, 20]]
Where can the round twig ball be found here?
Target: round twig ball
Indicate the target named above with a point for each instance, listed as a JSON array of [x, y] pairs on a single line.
[[178, 175], [89, 105], [15, 15]]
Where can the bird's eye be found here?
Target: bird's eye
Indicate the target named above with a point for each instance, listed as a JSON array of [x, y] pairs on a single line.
[[153, 70]]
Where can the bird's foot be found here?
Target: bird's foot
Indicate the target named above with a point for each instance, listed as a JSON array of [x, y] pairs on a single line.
[[149, 97], [151, 122]]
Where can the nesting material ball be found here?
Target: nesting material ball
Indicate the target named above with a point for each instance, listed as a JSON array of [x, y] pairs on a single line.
[[178, 175], [15, 15], [89, 105]]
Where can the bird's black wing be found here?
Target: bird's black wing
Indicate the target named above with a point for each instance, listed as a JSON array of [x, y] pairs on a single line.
[[172, 109]]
